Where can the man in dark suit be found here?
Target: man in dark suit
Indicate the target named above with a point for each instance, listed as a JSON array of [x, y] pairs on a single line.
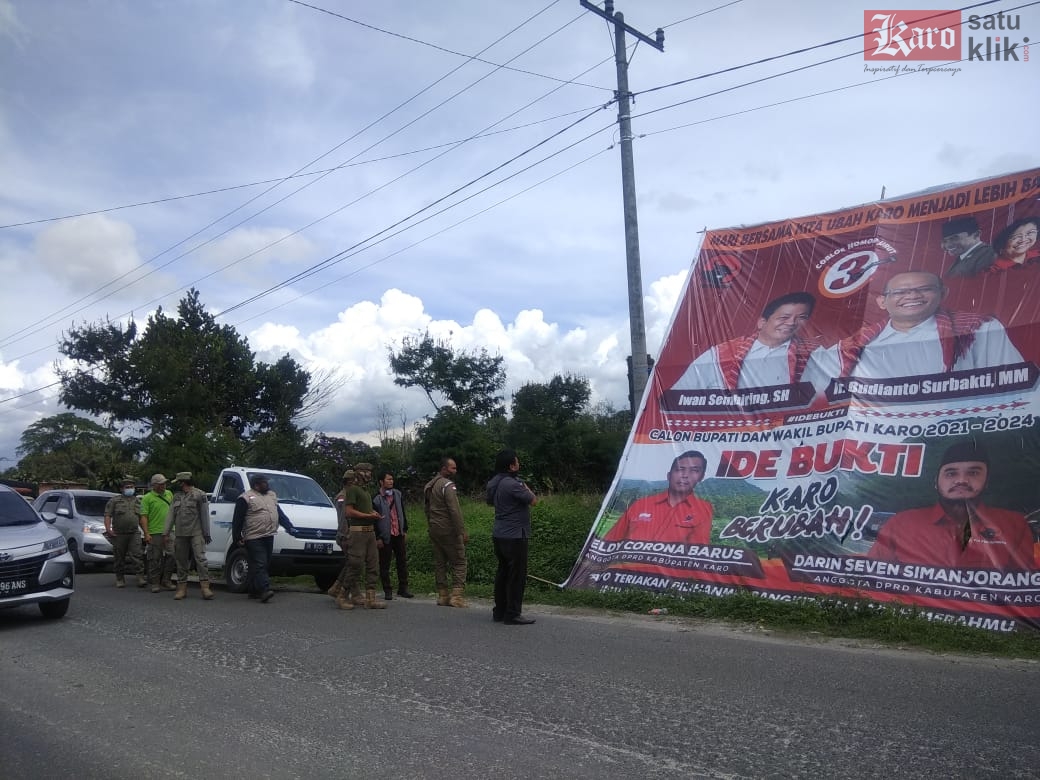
[[961, 238]]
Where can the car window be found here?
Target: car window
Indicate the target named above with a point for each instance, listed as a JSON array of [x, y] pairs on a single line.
[[94, 506], [50, 504], [66, 503], [231, 487], [15, 511]]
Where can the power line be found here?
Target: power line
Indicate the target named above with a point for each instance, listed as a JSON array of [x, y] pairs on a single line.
[[343, 255], [339, 256], [474, 58], [62, 312], [280, 179], [793, 70], [423, 240], [702, 13], [808, 48]]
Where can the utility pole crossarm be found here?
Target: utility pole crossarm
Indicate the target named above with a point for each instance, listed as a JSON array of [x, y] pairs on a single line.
[[607, 12]]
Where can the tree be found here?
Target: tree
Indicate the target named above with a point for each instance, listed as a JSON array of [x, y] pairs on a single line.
[[468, 381], [472, 445], [68, 447], [190, 389], [329, 456], [396, 451], [546, 428]]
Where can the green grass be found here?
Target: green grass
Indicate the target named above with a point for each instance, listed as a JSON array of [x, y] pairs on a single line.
[[560, 526]]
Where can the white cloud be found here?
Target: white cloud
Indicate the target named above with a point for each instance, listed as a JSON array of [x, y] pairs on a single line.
[[250, 251], [84, 253]]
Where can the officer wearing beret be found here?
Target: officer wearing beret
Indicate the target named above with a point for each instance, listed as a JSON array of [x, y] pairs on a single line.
[[189, 517]]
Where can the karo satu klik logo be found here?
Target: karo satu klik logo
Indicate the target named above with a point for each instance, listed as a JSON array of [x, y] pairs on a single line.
[[897, 36]]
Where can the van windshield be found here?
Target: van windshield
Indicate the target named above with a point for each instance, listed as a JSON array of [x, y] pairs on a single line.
[[15, 510], [296, 489]]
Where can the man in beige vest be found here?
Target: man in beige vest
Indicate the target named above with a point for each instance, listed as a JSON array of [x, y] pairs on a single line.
[[253, 526]]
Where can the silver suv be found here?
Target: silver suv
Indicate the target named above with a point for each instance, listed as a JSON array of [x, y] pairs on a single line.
[[35, 565], [80, 516]]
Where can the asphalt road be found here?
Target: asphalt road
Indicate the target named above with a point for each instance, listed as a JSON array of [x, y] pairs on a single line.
[[135, 685]]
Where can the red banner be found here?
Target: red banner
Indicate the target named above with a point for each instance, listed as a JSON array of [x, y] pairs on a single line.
[[846, 405]]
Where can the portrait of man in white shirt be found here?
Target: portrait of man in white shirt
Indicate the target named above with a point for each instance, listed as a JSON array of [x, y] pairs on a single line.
[[774, 355]]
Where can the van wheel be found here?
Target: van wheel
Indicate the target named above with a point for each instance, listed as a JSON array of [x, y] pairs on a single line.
[[80, 567], [236, 571], [52, 610]]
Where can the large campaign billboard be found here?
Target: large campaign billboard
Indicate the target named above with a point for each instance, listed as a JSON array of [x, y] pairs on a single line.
[[846, 405]]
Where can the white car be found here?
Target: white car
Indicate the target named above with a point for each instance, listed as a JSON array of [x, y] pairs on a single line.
[[80, 516]]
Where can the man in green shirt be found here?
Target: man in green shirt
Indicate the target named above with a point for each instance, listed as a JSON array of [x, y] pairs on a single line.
[[159, 562]]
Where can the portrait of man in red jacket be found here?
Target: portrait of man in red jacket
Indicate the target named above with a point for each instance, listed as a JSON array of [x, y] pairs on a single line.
[[675, 515], [959, 531]]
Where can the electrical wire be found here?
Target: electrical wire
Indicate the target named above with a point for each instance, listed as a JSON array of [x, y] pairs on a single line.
[[474, 58], [229, 188], [64, 311], [423, 240], [810, 48]]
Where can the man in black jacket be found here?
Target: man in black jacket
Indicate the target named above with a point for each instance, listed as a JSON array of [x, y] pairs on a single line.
[[512, 500]]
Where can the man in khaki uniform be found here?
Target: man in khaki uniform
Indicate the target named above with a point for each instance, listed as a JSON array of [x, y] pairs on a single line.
[[123, 528], [363, 554], [343, 540], [448, 535], [189, 516]]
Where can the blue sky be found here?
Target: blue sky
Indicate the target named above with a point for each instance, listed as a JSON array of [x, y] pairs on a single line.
[[106, 104]]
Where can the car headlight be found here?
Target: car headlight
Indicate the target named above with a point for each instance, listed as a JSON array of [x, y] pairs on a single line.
[[93, 528], [55, 547]]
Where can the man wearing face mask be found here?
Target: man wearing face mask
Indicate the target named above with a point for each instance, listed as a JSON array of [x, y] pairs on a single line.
[[123, 527], [254, 525]]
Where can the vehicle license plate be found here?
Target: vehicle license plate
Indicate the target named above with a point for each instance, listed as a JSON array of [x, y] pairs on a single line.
[[11, 587], [318, 547]]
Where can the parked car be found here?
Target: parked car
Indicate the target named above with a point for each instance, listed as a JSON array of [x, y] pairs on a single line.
[[80, 517], [35, 565]]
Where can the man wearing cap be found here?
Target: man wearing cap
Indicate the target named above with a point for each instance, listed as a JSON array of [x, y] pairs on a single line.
[[363, 554], [253, 526], [189, 517], [962, 239], [123, 527], [959, 531], [155, 504]]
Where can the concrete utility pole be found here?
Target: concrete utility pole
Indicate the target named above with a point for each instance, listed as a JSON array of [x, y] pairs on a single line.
[[636, 318]]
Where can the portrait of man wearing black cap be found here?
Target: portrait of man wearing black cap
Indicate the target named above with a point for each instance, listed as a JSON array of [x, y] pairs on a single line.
[[962, 239], [959, 531]]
